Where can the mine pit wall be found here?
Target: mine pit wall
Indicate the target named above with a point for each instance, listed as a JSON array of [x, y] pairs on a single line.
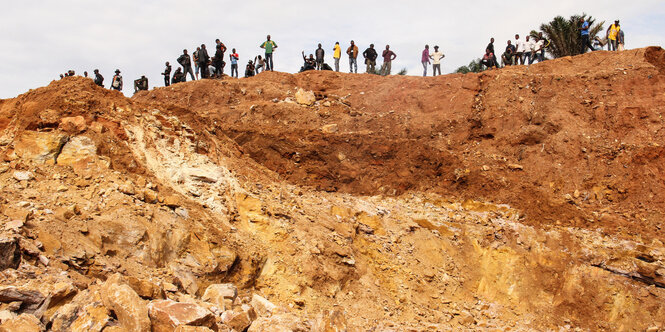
[[393, 254]]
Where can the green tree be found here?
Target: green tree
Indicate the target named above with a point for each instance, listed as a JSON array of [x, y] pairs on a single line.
[[473, 67], [564, 34]]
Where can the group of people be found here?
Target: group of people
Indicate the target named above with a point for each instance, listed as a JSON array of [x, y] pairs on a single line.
[[533, 49], [370, 55], [213, 67], [520, 52]]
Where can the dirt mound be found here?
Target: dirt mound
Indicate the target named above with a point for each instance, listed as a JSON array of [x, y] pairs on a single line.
[[525, 197]]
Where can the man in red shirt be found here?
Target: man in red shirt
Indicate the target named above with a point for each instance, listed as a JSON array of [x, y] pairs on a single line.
[[388, 57]]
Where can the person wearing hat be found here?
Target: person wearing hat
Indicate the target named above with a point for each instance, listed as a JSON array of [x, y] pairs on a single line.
[[116, 82], [612, 34]]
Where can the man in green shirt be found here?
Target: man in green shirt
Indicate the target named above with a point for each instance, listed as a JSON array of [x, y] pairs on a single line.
[[269, 46]]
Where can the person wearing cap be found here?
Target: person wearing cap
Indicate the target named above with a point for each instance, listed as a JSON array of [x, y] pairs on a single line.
[[337, 54], [99, 79], [249, 69], [116, 82], [436, 60], [612, 34], [370, 56]]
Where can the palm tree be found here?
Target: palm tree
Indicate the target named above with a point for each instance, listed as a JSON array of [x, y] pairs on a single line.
[[564, 34], [473, 67]]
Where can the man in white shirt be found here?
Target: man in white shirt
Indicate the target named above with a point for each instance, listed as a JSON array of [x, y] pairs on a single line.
[[529, 45], [436, 60], [535, 45], [520, 48]]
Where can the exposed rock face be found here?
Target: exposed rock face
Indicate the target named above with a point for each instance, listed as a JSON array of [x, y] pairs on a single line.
[[23, 323], [166, 315], [526, 198], [10, 254], [120, 298]]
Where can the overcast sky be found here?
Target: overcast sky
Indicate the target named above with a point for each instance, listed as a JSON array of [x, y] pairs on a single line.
[[41, 39]]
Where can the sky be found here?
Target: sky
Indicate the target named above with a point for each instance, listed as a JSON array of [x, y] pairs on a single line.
[[42, 39]]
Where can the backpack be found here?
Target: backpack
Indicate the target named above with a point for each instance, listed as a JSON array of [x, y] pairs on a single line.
[[116, 81]]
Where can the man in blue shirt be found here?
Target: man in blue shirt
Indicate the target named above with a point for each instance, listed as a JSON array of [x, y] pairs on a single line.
[[584, 31]]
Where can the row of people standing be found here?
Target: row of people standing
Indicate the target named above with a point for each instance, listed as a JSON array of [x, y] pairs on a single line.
[[370, 55]]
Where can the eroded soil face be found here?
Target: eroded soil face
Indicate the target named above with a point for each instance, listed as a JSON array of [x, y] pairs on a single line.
[[523, 198]]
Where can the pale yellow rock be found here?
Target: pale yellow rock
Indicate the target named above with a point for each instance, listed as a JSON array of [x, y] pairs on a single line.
[[120, 298], [305, 97]]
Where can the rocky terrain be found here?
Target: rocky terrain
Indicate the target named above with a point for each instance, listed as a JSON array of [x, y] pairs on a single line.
[[525, 198]]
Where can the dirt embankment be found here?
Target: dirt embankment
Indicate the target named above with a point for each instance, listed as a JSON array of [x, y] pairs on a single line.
[[569, 141], [520, 198]]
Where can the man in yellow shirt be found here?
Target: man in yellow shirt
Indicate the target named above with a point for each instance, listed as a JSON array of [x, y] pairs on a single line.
[[337, 53], [612, 34]]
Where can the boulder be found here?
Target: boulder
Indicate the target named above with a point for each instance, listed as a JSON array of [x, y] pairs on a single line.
[[73, 125], [146, 288], [330, 128], [93, 318], [186, 328], [30, 299], [10, 253], [166, 315], [305, 97], [238, 321], [221, 295], [172, 201], [23, 176], [39, 146], [331, 321], [22, 323], [262, 306], [281, 322], [80, 153], [120, 298]]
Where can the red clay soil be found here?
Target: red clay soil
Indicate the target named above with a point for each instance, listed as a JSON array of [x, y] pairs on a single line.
[[573, 141]]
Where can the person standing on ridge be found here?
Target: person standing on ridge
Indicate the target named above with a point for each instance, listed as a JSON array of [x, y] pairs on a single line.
[[320, 54], [99, 79], [204, 59], [116, 82], [269, 46], [544, 45], [436, 60], [388, 57], [195, 57], [620, 40], [167, 74], [234, 62], [370, 56], [520, 47], [337, 54], [612, 34], [186, 62], [584, 33], [218, 61], [490, 46], [425, 60], [352, 51]]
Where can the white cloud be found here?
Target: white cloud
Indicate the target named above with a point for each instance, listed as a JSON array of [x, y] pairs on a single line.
[[44, 38]]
